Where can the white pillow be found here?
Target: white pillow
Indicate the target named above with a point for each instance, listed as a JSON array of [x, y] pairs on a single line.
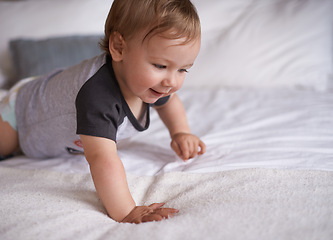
[[260, 44]]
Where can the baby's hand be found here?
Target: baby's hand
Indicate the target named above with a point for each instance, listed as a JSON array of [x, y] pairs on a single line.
[[187, 145], [153, 212]]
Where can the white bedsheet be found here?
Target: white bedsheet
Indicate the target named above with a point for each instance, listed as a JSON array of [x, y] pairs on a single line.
[[282, 129], [267, 174]]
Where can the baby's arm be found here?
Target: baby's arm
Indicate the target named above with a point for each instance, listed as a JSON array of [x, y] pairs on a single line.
[[185, 144], [109, 177]]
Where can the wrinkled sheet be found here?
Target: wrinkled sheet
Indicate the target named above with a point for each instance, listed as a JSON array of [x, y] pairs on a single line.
[[285, 129]]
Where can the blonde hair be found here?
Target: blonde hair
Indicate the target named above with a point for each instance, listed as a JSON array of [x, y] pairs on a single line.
[[130, 17]]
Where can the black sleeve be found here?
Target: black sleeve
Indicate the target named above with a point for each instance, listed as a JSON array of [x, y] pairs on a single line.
[[97, 110]]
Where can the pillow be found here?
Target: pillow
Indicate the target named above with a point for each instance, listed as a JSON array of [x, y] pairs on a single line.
[[35, 57], [265, 44]]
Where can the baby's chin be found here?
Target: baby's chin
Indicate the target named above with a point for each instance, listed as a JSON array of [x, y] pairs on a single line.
[[149, 101]]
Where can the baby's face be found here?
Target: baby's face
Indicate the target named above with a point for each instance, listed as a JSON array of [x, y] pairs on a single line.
[[156, 67]]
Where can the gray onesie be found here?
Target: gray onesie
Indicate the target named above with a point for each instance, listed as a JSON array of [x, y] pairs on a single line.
[[86, 99]]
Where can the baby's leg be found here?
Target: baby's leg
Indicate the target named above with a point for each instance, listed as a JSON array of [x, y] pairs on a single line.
[[8, 138]]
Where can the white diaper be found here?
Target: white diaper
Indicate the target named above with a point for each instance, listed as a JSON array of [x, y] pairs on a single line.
[[7, 103]]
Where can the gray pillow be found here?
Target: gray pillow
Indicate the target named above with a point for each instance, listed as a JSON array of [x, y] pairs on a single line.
[[33, 57]]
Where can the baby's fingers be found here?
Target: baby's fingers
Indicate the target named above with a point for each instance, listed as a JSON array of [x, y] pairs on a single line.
[[166, 212], [189, 149], [155, 206], [152, 217], [160, 214], [202, 146], [194, 149], [187, 145], [176, 148]]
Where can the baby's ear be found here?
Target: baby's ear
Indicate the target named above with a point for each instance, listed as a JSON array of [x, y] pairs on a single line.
[[116, 46]]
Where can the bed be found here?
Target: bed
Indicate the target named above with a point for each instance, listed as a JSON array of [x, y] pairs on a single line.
[[259, 96]]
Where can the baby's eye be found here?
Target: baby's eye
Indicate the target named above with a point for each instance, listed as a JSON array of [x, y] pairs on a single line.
[[159, 66], [183, 70]]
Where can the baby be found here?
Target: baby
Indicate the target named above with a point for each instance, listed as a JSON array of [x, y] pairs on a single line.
[[149, 46]]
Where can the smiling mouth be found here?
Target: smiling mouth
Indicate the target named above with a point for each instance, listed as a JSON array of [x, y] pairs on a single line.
[[157, 94], [161, 93]]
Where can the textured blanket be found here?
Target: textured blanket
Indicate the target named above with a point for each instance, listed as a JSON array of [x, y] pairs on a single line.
[[237, 204]]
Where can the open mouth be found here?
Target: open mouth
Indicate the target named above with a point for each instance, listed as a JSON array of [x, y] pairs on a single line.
[[160, 93], [156, 93]]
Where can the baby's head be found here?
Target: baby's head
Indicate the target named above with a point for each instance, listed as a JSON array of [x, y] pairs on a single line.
[[153, 43], [174, 19]]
